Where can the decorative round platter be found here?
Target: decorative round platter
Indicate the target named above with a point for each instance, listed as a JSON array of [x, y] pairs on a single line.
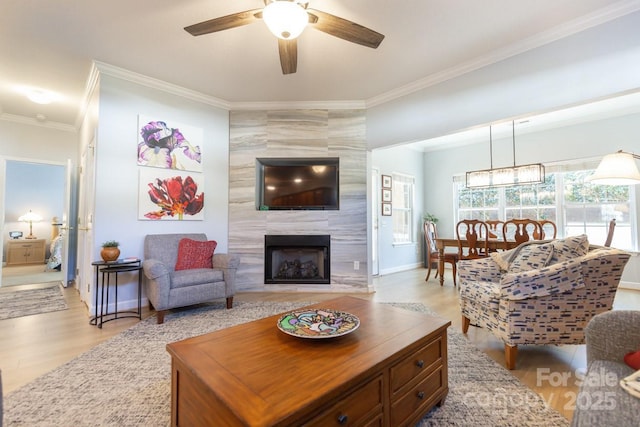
[[318, 323]]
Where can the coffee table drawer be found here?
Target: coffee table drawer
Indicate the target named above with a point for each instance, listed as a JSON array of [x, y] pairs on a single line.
[[412, 366], [356, 408], [419, 396]]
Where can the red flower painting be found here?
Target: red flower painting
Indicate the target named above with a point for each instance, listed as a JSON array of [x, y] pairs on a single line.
[[175, 197]]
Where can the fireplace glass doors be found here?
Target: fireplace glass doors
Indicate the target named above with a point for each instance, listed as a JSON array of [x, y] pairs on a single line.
[[299, 259]]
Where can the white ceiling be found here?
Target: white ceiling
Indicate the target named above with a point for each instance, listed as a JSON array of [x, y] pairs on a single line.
[[51, 44]]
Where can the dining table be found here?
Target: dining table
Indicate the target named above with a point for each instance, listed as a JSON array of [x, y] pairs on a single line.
[[443, 242]]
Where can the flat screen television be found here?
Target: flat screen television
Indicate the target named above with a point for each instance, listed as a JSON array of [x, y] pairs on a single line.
[[298, 183]]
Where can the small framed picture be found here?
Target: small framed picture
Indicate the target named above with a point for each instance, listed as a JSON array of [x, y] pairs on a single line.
[[386, 209], [386, 195], [386, 181]]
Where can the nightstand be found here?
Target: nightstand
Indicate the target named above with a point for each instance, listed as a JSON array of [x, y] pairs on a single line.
[[26, 251]]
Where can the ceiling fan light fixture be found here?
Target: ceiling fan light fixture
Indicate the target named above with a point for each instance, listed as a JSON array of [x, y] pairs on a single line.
[[285, 19]]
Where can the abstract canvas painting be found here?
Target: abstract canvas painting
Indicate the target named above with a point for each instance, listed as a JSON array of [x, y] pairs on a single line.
[[169, 145], [167, 195]]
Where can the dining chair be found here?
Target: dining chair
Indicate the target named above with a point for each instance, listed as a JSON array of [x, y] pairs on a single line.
[[430, 235], [520, 230], [476, 235], [612, 227], [495, 227], [548, 229]]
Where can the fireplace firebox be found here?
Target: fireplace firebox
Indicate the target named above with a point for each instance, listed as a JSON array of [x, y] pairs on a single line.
[[297, 259]]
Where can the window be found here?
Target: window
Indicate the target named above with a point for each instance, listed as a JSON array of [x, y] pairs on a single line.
[[589, 208], [575, 206], [402, 208]]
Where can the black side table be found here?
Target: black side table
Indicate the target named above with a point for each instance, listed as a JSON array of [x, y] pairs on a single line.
[[113, 268]]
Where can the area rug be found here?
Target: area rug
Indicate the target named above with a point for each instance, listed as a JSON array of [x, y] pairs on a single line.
[[26, 302], [126, 381]]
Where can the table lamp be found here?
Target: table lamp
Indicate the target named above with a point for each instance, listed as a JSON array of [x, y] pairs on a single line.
[[30, 217]]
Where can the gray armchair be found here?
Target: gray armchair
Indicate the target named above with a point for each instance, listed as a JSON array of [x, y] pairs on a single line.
[[167, 288], [609, 337]]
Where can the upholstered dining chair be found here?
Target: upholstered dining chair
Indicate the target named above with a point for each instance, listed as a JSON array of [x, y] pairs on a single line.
[[520, 230], [548, 229], [430, 236], [476, 235], [612, 227]]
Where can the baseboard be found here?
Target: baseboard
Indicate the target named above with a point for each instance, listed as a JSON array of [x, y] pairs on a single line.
[[401, 268], [634, 286], [128, 305]]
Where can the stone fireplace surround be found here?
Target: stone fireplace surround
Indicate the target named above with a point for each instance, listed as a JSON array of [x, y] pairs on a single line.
[[305, 133], [300, 259]]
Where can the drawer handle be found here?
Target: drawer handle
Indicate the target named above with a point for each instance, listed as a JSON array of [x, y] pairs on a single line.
[[420, 395], [342, 419], [420, 363]]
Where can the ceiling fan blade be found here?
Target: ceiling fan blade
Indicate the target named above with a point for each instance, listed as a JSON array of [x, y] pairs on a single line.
[[288, 55], [344, 29], [225, 22]]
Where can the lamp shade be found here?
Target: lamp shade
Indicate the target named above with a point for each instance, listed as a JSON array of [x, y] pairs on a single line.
[[30, 217], [285, 19], [616, 169]]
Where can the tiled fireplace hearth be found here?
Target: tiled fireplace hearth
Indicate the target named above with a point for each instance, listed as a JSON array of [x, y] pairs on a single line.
[[299, 259]]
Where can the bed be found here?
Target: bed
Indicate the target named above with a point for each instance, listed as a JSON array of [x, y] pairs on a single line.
[[57, 240]]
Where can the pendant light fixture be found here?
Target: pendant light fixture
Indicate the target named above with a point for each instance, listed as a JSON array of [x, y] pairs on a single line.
[[513, 175]]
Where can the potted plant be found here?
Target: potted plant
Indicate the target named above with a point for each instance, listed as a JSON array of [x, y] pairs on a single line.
[[110, 251], [430, 217]]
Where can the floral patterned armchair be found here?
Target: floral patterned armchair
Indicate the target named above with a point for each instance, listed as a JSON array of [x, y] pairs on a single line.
[[542, 292]]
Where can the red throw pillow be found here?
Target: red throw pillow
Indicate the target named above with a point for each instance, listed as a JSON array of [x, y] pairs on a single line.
[[195, 254], [633, 359]]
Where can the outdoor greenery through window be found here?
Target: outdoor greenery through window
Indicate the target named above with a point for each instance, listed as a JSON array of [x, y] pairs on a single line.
[[565, 198], [402, 208]]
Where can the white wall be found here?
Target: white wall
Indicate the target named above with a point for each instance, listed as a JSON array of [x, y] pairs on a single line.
[[116, 204], [595, 63], [578, 141], [406, 161], [37, 141]]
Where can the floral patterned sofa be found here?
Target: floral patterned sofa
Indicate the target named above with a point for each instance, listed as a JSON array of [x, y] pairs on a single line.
[[542, 292]]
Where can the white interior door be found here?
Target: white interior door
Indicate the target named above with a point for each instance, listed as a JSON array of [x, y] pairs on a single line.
[[86, 186], [65, 223]]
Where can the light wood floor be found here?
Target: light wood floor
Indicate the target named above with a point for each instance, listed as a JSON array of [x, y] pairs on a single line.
[[33, 345]]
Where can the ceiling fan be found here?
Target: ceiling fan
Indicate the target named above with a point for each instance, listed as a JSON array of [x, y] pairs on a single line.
[[287, 19]]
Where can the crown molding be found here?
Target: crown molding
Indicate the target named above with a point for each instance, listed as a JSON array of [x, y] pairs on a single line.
[[591, 20], [24, 120], [91, 84], [157, 84], [299, 105]]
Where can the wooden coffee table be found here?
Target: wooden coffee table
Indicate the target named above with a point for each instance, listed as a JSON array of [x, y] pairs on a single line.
[[389, 372]]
